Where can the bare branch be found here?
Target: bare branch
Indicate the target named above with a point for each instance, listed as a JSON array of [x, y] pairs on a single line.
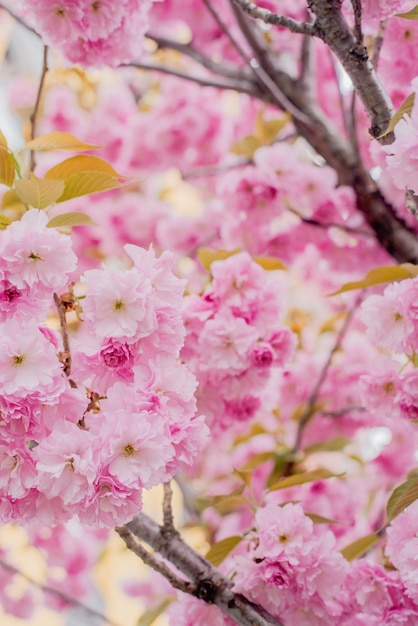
[[149, 559], [310, 405], [17, 18], [325, 225], [306, 75], [332, 28], [34, 116], [57, 593], [209, 584], [66, 355], [303, 28], [240, 86], [378, 43], [358, 33], [222, 69]]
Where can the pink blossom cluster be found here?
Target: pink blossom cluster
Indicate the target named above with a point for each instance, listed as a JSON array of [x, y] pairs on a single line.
[[234, 338], [125, 420], [91, 33], [391, 321], [292, 568]]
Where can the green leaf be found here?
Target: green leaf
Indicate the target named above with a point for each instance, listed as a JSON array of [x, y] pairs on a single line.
[[401, 497], [58, 141], [258, 459], [380, 276], [220, 550], [87, 183], [332, 445], [318, 519], [7, 167], [74, 218], [39, 193], [151, 614], [269, 263], [405, 109], [411, 15], [304, 477], [359, 547], [79, 164]]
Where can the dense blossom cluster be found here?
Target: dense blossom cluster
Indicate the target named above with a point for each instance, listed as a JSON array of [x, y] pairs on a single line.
[[295, 412], [126, 419], [92, 33], [234, 339]]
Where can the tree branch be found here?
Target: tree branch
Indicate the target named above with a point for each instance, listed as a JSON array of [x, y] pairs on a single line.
[[56, 592], [332, 28], [237, 85], [302, 28], [209, 584], [310, 405], [222, 69], [34, 117], [66, 355]]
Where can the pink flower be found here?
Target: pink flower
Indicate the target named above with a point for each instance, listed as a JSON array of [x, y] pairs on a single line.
[[66, 465], [33, 255], [28, 362], [119, 304], [226, 340]]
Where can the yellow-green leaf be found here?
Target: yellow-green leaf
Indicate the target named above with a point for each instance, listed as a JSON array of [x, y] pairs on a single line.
[[59, 141], [220, 550], [270, 263], [74, 218], [11, 200], [266, 131], [87, 183], [4, 222], [359, 547], [244, 475], [319, 519], [3, 141], [79, 164], [405, 109], [207, 256], [258, 459], [39, 193], [7, 167], [410, 15], [380, 276], [152, 613], [303, 477], [401, 497], [246, 146], [332, 445], [234, 497]]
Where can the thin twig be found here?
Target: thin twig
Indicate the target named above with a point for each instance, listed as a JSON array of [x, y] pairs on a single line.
[[17, 18], [344, 411], [222, 69], [168, 519], [302, 28], [57, 593], [310, 405], [357, 30], [34, 117], [149, 559], [257, 65], [236, 85], [306, 75], [66, 355], [318, 224], [378, 43]]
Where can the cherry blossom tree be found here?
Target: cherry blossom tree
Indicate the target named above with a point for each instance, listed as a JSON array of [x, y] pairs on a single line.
[[216, 290]]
